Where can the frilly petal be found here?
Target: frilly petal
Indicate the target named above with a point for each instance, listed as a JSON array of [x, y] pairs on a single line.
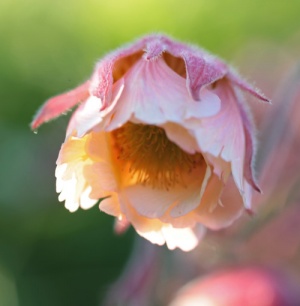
[[160, 233], [83, 178]]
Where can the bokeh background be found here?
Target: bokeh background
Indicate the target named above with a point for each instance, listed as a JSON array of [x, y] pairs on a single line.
[[49, 256]]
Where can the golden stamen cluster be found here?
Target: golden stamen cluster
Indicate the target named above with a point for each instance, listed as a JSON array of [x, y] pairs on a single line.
[[152, 158]]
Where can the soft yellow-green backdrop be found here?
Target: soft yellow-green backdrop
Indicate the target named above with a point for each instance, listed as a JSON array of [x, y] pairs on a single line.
[[47, 255]]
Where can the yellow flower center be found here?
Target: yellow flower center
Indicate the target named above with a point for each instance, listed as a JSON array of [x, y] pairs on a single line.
[[152, 158]]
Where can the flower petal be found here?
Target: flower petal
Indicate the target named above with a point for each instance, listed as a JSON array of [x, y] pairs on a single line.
[[159, 233], [73, 187], [146, 98], [88, 115], [202, 68], [83, 175], [60, 104], [181, 137], [111, 206], [191, 197], [184, 238], [227, 211], [227, 133], [244, 85], [149, 202]]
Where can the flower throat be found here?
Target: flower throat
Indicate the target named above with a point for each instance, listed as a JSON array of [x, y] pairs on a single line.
[[152, 158]]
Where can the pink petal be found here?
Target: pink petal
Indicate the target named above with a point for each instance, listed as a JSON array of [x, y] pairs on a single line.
[[60, 104], [103, 75], [155, 94], [88, 116], [225, 129], [192, 196], [226, 133], [201, 68], [227, 211], [245, 86], [221, 168], [249, 151]]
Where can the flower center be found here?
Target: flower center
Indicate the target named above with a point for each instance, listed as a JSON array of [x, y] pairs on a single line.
[[152, 158]]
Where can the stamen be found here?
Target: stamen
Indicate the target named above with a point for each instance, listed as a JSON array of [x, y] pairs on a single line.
[[152, 158]]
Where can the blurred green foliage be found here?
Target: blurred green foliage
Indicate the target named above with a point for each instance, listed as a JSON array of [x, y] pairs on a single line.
[[47, 255]]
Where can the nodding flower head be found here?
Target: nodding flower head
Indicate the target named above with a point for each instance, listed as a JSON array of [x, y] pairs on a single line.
[[162, 137]]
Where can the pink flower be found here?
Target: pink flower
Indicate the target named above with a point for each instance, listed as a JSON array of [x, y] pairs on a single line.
[[163, 136], [245, 286]]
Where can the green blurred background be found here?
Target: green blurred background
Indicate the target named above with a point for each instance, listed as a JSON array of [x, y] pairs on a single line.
[[49, 256]]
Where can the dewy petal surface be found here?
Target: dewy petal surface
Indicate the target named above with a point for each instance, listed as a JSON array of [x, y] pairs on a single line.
[[162, 137]]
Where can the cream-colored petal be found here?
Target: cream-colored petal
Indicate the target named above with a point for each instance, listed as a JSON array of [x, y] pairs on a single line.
[[85, 201], [111, 205], [191, 197], [154, 202], [83, 178], [206, 205], [160, 233], [72, 149], [211, 196], [220, 167], [97, 147], [150, 202], [59, 172], [73, 187], [227, 211], [181, 136], [100, 177], [184, 238]]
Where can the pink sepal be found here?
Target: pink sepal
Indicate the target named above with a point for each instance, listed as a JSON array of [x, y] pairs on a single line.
[[60, 104], [245, 86]]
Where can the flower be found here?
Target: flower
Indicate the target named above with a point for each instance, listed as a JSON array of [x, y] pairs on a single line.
[[162, 137], [244, 285]]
